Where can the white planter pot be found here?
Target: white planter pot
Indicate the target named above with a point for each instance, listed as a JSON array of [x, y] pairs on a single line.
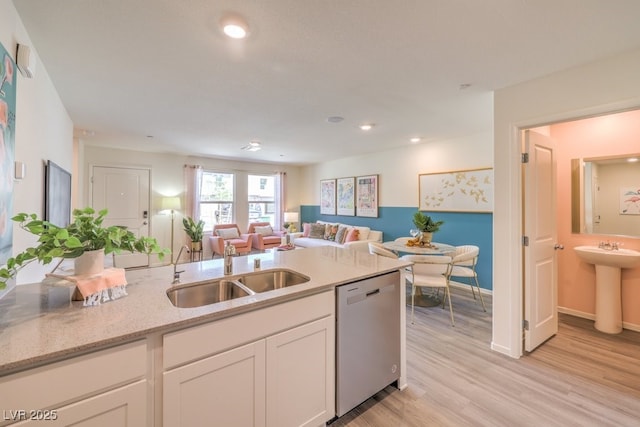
[[89, 263]]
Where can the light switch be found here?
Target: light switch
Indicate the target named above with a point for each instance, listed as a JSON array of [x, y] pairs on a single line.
[[20, 170]]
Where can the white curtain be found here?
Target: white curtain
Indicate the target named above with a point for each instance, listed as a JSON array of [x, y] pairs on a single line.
[[280, 202], [192, 180]]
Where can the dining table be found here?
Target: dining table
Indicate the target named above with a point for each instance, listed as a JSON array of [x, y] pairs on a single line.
[[400, 247]]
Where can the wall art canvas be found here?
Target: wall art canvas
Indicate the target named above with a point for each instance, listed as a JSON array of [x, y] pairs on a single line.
[[367, 196], [7, 150], [346, 191], [457, 191], [630, 200], [328, 196]]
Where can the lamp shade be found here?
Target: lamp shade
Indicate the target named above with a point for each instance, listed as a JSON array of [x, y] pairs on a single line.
[[291, 217], [170, 203]]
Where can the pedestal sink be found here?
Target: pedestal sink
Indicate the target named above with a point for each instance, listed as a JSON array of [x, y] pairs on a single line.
[[608, 263]]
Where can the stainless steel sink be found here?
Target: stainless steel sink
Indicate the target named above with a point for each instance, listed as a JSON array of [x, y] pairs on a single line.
[[231, 287], [205, 293], [269, 280]]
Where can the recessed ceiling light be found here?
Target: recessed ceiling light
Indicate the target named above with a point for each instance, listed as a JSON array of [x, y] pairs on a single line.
[[415, 140], [235, 27], [632, 159], [367, 126]]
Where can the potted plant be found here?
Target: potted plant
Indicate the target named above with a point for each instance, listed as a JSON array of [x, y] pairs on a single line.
[[195, 231], [426, 225], [83, 237]]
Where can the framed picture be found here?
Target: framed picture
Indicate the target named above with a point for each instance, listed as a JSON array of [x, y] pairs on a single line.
[[345, 195], [456, 191], [328, 196], [367, 196], [629, 201]]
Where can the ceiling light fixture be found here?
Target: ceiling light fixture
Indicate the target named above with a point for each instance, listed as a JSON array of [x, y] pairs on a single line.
[[235, 27], [252, 146], [367, 126], [415, 140], [632, 159]]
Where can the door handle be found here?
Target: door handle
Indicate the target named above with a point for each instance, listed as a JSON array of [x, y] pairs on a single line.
[[558, 246], [145, 223]]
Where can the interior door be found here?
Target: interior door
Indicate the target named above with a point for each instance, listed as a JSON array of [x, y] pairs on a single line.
[[540, 262], [125, 193]]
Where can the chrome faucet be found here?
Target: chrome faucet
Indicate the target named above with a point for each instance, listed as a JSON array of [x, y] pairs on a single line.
[[176, 274], [229, 252], [608, 246]]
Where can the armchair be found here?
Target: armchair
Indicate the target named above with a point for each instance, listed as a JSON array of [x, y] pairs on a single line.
[[264, 239], [231, 233]]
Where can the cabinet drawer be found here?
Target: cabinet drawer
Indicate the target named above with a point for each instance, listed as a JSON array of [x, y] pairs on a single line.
[[51, 385], [201, 341]]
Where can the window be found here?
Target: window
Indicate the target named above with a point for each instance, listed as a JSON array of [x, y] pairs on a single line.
[[216, 198], [261, 193]]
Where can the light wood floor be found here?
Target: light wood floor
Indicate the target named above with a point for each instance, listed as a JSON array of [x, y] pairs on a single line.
[[580, 377]]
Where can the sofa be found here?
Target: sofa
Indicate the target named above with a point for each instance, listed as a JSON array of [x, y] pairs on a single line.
[[324, 233]]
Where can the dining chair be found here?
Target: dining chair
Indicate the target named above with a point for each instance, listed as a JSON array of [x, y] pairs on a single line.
[[430, 271], [376, 248], [463, 265]]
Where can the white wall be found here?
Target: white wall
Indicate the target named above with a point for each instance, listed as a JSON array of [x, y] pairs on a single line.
[[167, 179], [399, 168], [44, 132], [596, 88]]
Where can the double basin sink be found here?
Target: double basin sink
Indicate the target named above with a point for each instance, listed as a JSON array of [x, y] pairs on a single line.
[[227, 288]]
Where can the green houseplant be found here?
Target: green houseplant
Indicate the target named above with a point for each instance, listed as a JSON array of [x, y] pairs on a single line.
[[85, 233], [195, 231], [426, 225]]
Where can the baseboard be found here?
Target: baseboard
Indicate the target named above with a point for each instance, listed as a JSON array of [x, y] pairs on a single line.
[[584, 315], [461, 285]]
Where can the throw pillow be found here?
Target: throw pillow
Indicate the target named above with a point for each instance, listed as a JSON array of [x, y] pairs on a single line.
[[330, 232], [316, 231], [352, 235], [228, 233], [306, 228], [265, 230], [341, 234]]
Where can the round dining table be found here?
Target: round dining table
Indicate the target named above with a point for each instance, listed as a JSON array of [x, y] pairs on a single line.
[[435, 248]]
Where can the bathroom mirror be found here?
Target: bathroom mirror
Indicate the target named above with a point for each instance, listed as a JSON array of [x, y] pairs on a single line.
[[605, 195]]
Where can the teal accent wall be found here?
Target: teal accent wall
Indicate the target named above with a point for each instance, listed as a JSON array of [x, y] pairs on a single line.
[[459, 228]]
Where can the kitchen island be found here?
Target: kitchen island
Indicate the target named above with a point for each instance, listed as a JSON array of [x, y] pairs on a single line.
[[144, 347]]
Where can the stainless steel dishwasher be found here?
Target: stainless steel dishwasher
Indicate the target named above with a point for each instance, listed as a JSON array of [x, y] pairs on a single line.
[[367, 339]]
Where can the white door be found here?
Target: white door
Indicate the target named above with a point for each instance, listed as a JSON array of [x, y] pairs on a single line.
[[540, 263], [125, 193]]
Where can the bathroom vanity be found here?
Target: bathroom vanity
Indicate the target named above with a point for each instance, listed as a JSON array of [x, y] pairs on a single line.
[[266, 359]]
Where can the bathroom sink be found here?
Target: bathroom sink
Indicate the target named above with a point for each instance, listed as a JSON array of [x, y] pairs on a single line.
[[205, 293], [269, 280], [608, 265], [621, 258]]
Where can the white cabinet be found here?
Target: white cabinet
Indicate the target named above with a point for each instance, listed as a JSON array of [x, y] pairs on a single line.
[[226, 390], [107, 387], [300, 375], [269, 367]]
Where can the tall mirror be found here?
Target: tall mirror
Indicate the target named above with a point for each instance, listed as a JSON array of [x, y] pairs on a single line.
[[606, 195]]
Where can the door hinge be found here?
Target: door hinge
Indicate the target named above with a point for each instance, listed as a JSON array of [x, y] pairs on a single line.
[[525, 325], [525, 240], [525, 157]]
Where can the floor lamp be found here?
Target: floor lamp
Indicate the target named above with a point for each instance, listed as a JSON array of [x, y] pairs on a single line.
[[171, 204]]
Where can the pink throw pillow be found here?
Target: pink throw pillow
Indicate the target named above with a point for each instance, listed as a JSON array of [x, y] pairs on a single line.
[[352, 235], [306, 228]]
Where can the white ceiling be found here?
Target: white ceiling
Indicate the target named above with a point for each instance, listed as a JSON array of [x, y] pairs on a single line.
[[129, 69]]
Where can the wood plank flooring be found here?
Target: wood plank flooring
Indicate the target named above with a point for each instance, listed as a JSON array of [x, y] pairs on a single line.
[[580, 377]]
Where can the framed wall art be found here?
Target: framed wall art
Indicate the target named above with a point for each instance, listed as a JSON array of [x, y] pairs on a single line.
[[345, 196], [456, 191], [367, 196], [630, 201], [328, 196]]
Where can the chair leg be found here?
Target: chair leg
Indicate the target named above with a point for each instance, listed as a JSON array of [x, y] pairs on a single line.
[[479, 293], [413, 296], [448, 292]]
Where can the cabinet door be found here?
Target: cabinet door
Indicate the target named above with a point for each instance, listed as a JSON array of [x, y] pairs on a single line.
[[122, 407], [300, 375], [222, 390]]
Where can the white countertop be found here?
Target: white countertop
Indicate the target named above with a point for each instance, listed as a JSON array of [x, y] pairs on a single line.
[[39, 322]]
